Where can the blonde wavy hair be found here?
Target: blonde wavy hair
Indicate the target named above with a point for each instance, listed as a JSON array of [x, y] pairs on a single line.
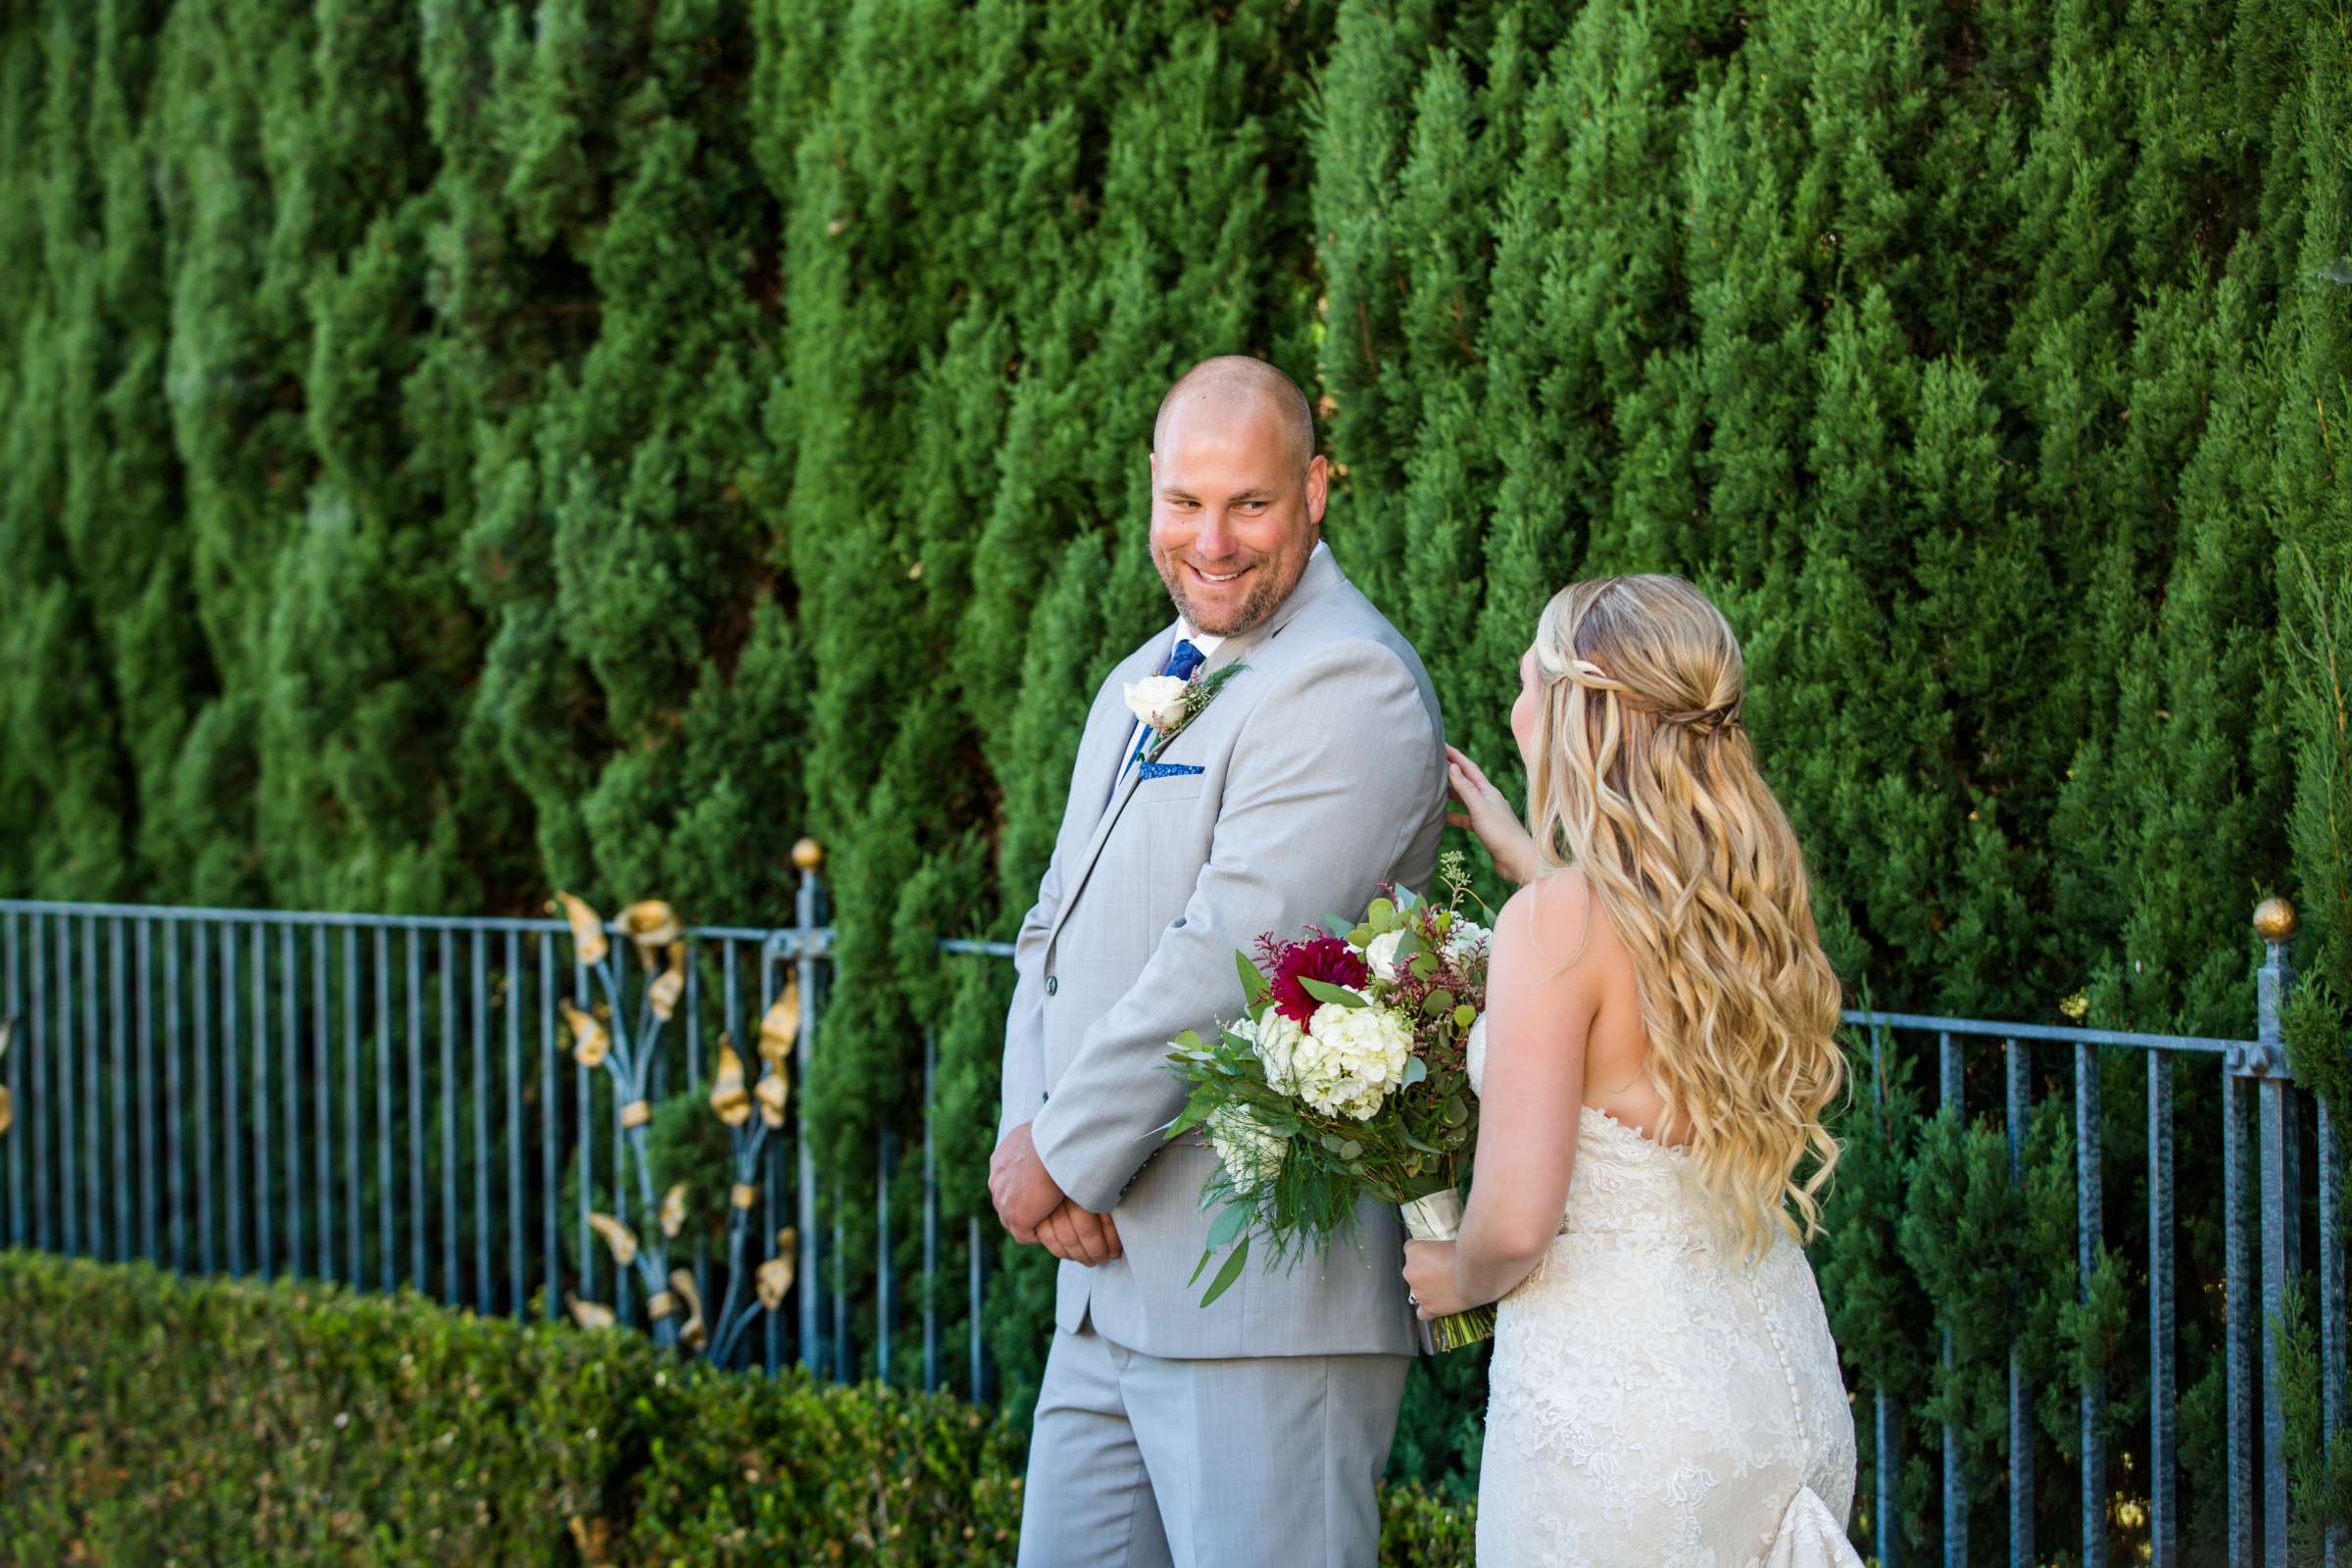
[[1644, 780]]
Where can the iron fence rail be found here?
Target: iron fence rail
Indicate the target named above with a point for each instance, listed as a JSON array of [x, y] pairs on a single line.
[[241, 1159]]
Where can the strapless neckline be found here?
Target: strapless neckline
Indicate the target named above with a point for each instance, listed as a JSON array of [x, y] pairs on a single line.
[[1590, 1118]]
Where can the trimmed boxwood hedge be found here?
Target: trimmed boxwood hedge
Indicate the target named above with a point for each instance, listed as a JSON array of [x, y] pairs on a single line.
[[151, 1419]]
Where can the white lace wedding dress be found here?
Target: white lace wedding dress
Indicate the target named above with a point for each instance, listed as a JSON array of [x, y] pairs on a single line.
[[1655, 1400]]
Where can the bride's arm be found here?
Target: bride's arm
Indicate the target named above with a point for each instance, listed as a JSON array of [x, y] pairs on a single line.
[[1542, 995]]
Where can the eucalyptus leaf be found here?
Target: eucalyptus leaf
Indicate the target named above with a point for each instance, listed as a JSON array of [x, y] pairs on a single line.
[[1381, 914], [1425, 967], [1190, 1040], [1325, 991], [1229, 1225], [1253, 983], [1436, 1002], [1196, 1112], [1415, 1069], [1229, 1273], [1352, 1150], [1464, 1017]]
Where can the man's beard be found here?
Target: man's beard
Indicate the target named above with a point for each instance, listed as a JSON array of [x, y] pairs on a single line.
[[1263, 601]]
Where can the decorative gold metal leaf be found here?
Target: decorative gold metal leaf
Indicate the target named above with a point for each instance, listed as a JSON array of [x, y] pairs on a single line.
[[593, 1537], [669, 985], [775, 1281], [728, 1097], [775, 1277], [619, 1237], [651, 926], [782, 1025], [589, 1042], [8, 1113], [588, 1315], [587, 928], [775, 1089], [692, 1334], [673, 1210]]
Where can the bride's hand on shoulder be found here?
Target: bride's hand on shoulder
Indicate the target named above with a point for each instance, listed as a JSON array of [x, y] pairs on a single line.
[[1429, 1278], [1485, 812]]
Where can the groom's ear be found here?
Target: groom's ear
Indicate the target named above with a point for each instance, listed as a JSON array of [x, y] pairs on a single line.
[[1318, 488]]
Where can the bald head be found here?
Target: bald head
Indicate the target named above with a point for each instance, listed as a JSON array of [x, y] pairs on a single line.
[[1237, 492], [1235, 387]]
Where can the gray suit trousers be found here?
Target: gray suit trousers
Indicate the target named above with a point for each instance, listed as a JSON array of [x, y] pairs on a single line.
[[1135, 1462]]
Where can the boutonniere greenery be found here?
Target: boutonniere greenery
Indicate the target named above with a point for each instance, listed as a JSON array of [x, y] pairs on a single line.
[[1167, 704]]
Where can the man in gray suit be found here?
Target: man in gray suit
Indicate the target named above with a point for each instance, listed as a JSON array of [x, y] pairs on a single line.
[[1250, 1431]]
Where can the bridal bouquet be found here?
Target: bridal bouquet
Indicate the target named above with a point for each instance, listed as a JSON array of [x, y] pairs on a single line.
[[1345, 1076]]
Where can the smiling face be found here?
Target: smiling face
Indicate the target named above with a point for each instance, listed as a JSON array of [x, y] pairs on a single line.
[[1235, 516]]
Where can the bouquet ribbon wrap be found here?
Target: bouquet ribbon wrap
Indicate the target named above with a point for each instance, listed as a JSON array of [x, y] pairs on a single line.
[[1438, 1218]]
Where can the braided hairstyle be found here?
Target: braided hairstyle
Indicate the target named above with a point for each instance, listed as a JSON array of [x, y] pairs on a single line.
[[1644, 780]]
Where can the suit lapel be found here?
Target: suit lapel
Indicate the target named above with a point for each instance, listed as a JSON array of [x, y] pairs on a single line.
[[1109, 732], [1321, 574]]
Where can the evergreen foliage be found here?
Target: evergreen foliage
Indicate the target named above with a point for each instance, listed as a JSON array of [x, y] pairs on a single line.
[[401, 1432], [449, 451]]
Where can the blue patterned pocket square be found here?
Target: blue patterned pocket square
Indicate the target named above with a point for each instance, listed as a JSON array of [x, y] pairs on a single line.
[[1152, 770]]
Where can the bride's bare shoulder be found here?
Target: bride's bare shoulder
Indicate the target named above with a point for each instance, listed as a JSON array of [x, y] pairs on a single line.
[[1556, 922]]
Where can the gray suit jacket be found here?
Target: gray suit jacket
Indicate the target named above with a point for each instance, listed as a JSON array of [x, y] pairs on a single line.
[[1322, 776]]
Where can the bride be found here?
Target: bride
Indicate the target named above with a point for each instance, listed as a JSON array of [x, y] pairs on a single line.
[[1652, 1067]]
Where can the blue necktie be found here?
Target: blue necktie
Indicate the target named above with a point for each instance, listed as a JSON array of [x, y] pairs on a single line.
[[1181, 663]]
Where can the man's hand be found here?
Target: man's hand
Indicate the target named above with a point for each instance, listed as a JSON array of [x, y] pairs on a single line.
[[1071, 1233], [1020, 1187]]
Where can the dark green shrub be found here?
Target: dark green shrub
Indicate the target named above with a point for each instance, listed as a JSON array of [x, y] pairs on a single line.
[[157, 1420]]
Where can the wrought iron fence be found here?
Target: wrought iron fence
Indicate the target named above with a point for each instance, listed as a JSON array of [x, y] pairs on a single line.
[[383, 1100]]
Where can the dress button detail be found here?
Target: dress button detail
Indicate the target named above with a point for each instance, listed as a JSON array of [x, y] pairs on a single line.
[[1052, 985]]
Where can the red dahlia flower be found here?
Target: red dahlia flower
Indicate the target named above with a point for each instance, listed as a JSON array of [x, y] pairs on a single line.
[[1326, 958]]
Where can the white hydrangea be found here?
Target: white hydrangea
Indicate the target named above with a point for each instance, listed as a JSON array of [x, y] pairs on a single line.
[[1277, 1040], [1465, 939], [1351, 1058], [1251, 1154], [1381, 956]]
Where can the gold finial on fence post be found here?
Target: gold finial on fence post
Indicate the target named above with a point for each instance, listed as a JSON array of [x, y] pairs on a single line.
[[2274, 922], [807, 855], [2274, 919]]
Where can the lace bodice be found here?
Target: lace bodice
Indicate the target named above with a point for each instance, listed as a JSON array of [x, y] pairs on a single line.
[[1655, 1397], [1623, 1181]]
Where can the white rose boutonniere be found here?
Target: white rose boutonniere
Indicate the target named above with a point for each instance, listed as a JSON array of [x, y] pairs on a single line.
[[1157, 700], [1166, 705]]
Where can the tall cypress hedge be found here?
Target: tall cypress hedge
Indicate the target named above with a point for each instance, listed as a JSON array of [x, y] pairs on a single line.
[[453, 450]]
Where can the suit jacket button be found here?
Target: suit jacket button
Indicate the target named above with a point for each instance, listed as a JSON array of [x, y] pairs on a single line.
[[1052, 985]]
